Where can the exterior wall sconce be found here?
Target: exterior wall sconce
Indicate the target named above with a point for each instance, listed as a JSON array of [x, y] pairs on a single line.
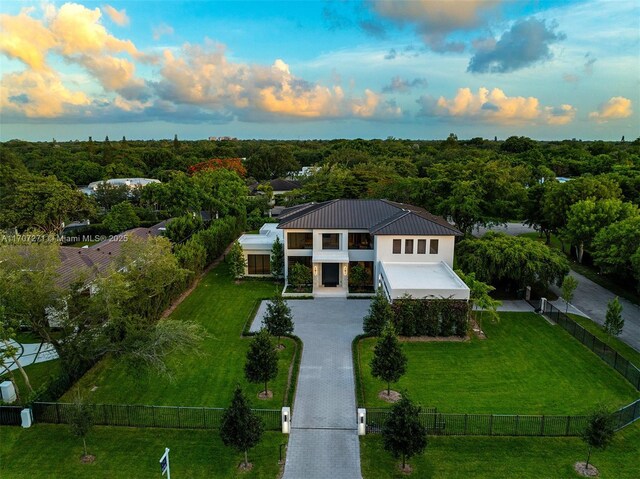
[[344, 270], [315, 270]]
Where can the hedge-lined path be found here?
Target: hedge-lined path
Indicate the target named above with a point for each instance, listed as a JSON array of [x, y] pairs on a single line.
[[324, 438]]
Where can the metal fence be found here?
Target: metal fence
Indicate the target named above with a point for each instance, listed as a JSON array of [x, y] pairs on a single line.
[[609, 355], [176, 417], [10, 415]]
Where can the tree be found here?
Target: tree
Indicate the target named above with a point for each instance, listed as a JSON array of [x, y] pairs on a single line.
[[122, 217], [240, 428], [357, 277], [569, 285], [300, 276], [81, 420], [108, 195], [615, 247], [389, 362], [262, 360], [379, 314], [270, 162], [402, 433], [237, 261], [464, 206], [277, 259], [278, 319], [599, 431], [9, 352], [479, 296], [182, 228], [614, 322]]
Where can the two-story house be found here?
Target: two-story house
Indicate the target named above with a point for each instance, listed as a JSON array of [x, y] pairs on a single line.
[[403, 248]]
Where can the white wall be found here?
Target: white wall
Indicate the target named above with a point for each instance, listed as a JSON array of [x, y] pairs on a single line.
[[384, 250]]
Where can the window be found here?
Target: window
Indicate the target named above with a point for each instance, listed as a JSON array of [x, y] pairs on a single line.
[[360, 241], [433, 246], [305, 260], [408, 247], [397, 246], [330, 241], [259, 264], [299, 241], [422, 246]]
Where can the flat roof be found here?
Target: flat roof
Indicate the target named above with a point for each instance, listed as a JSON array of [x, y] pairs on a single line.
[[426, 276], [263, 240]]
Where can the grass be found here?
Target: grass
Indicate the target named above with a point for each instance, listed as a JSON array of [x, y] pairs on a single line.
[[623, 348], [591, 272], [222, 307], [525, 366], [500, 457], [39, 374], [46, 451]]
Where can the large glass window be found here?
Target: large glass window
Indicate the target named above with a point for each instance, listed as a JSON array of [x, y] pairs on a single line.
[[300, 241], [408, 246], [259, 264], [361, 276], [397, 246], [305, 260], [330, 241], [433, 246], [422, 246], [360, 241]]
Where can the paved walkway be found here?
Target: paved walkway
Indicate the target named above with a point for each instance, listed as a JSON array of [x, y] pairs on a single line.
[[28, 353], [324, 439]]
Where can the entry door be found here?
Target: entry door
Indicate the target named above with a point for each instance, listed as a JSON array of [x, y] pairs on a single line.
[[330, 274]]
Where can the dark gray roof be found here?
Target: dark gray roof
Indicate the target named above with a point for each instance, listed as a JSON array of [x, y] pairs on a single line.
[[380, 217], [279, 184]]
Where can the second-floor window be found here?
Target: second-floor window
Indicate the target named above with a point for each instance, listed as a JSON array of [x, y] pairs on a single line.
[[330, 241], [422, 246], [408, 246], [397, 246], [433, 246], [360, 241], [300, 241]]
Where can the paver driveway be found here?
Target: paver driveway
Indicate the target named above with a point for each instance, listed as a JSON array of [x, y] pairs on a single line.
[[324, 438]]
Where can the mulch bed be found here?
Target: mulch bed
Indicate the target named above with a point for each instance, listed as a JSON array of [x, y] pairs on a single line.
[[433, 339], [583, 471], [88, 459], [393, 396], [265, 396]]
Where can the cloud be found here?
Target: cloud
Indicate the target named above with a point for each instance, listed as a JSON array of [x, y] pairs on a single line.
[[26, 39], [391, 55], [588, 64], [118, 17], [525, 44], [435, 20], [401, 85], [495, 107], [616, 108], [160, 30], [570, 78], [560, 115]]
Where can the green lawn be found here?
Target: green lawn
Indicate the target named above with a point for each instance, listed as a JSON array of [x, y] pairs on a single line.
[[208, 380], [505, 457], [623, 290], [525, 366], [623, 348], [46, 451], [39, 374]]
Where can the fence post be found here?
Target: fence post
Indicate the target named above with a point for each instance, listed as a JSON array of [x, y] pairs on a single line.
[[466, 418], [179, 423], [615, 360], [491, 425], [566, 433], [542, 426], [517, 424], [128, 415], [58, 413], [104, 414], [153, 415]]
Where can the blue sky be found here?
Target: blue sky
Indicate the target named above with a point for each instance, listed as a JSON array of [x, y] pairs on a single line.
[[320, 69]]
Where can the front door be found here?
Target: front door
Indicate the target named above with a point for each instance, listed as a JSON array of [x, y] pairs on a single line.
[[330, 274]]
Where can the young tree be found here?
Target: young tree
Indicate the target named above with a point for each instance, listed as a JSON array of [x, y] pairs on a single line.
[[402, 433], [240, 428], [9, 352], [300, 276], [379, 314], [599, 431], [262, 360], [357, 277], [237, 262], [479, 297], [81, 420], [614, 321], [278, 319], [389, 362], [277, 259], [569, 285]]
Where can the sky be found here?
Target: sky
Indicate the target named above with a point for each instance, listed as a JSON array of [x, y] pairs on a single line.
[[418, 69]]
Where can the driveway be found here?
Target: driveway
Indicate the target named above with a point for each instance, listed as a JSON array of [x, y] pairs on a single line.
[[512, 229], [591, 299], [324, 438]]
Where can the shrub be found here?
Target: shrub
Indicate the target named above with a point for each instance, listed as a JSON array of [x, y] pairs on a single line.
[[300, 276]]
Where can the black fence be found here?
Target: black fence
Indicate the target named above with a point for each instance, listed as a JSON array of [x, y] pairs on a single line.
[[175, 417], [10, 415], [609, 355]]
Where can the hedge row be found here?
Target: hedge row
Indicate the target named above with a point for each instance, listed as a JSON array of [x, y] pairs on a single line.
[[206, 245], [430, 317]]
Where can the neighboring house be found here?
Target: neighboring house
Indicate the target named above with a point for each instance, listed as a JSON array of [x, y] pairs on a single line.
[[403, 248], [257, 249], [279, 186], [131, 183]]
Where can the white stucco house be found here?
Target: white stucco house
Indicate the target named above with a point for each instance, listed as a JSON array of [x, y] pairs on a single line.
[[404, 249]]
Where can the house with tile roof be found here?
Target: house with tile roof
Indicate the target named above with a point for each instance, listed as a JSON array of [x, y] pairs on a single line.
[[402, 248]]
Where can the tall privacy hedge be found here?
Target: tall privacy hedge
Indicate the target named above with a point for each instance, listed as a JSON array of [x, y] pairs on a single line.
[[430, 317]]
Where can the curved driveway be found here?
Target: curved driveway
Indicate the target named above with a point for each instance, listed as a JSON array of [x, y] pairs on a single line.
[[324, 439]]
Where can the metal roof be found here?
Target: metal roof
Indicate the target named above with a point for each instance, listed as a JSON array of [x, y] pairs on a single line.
[[379, 217]]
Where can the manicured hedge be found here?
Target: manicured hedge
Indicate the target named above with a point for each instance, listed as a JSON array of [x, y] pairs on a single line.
[[430, 317]]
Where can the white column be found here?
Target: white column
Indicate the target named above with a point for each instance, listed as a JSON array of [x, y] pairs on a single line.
[[362, 421], [286, 420]]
